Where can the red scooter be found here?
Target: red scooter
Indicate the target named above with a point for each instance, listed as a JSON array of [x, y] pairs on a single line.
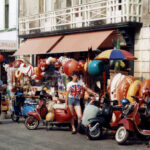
[[132, 122], [62, 117]]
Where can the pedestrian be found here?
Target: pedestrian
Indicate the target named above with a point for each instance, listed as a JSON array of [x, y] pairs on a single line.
[[74, 92]]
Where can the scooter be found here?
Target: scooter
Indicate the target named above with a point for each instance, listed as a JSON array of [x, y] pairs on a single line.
[[62, 117], [96, 126], [21, 107], [132, 122]]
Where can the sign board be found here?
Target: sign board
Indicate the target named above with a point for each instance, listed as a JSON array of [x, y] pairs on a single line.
[[8, 45]]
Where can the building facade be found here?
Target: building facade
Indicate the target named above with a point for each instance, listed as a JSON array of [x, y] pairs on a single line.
[[8, 30], [130, 17], [142, 44]]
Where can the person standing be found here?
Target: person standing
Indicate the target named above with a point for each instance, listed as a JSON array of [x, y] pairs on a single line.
[[74, 93]]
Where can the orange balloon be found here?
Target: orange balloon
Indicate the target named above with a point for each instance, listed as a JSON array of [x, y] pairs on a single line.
[[53, 60], [123, 87], [81, 65], [144, 86]]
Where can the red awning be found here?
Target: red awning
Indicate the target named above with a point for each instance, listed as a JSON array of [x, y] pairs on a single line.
[[38, 45], [83, 41]]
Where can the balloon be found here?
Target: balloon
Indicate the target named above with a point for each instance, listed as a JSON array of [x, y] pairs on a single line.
[[58, 64], [42, 64], [37, 71], [1, 58], [50, 116], [53, 60], [81, 65], [70, 66], [144, 86], [96, 67], [17, 63], [86, 65]]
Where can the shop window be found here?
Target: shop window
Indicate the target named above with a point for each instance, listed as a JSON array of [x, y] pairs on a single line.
[[6, 14]]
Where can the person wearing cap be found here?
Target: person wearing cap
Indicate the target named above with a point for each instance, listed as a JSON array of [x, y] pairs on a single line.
[[73, 95]]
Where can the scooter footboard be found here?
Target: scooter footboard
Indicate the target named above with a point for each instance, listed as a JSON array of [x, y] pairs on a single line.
[[127, 124], [94, 120]]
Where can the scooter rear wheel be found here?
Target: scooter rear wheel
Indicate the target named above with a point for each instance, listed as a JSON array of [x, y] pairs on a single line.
[[122, 135], [94, 131], [31, 123]]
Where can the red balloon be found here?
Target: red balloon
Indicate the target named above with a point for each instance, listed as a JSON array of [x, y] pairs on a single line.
[[58, 64], [42, 64], [1, 58], [70, 66], [17, 63], [81, 64]]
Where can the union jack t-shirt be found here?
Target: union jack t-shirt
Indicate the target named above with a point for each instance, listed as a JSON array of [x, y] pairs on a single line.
[[75, 89]]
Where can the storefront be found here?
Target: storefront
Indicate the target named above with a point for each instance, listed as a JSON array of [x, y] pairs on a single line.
[[7, 48]]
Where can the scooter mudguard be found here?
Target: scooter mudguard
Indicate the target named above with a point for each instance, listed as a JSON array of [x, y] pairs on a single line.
[[127, 124], [99, 120], [34, 114], [27, 109]]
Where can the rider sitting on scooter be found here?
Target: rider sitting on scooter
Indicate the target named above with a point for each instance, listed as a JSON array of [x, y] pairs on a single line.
[[74, 93]]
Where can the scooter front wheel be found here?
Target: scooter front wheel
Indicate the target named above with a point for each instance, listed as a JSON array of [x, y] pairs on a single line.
[[122, 135], [94, 131], [31, 123]]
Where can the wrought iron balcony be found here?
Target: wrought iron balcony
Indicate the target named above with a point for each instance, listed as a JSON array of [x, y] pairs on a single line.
[[91, 14]]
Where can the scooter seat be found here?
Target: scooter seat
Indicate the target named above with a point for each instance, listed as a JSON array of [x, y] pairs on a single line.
[[60, 106]]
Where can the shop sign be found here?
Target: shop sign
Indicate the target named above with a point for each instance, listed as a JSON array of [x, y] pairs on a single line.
[[8, 45]]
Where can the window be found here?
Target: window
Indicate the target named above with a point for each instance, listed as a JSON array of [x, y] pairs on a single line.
[[6, 14], [69, 3]]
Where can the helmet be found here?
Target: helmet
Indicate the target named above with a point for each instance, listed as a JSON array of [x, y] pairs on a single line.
[[124, 101]]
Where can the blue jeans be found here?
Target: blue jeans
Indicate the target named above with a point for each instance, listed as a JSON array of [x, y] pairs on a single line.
[[74, 101]]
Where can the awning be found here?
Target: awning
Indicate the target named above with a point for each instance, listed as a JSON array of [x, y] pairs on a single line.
[[37, 45], [82, 41]]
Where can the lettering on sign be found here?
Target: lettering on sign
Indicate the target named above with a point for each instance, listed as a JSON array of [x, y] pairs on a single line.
[[11, 45]]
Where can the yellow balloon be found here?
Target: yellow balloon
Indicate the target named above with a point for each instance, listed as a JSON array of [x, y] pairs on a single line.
[[48, 91], [58, 102], [122, 64], [50, 116], [86, 96], [86, 65], [45, 89]]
